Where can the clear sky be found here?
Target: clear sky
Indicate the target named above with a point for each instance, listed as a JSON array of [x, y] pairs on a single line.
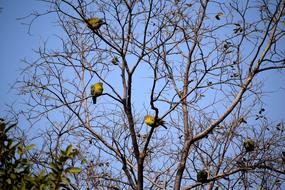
[[17, 44]]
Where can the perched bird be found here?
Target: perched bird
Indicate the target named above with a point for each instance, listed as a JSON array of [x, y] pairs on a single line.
[[218, 15], [248, 145], [95, 23], [189, 4], [202, 176], [96, 90], [150, 120], [115, 60]]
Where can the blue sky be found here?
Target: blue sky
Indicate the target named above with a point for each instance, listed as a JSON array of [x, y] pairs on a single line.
[[17, 44]]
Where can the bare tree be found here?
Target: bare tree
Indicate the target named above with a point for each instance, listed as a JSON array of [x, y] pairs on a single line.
[[195, 65]]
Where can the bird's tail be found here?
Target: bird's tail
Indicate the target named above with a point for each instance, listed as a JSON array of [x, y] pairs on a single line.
[[162, 123], [163, 126], [94, 99]]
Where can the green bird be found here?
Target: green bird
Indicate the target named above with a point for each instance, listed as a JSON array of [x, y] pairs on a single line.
[[150, 121], [115, 60], [248, 145], [202, 176], [95, 23], [96, 90]]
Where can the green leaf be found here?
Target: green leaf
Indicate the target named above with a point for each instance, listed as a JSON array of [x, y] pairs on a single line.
[[42, 186], [25, 161], [68, 150], [21, 150], [65, 180], [41, 174], [83, 161], [29, 147], [8, 181], [13, 176], [55, 168], [73, 169], [63, 159]]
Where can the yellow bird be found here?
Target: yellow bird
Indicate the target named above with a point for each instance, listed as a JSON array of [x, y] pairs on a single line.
[[150, 120], [249, 145], [95, 23], [96, 90]]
